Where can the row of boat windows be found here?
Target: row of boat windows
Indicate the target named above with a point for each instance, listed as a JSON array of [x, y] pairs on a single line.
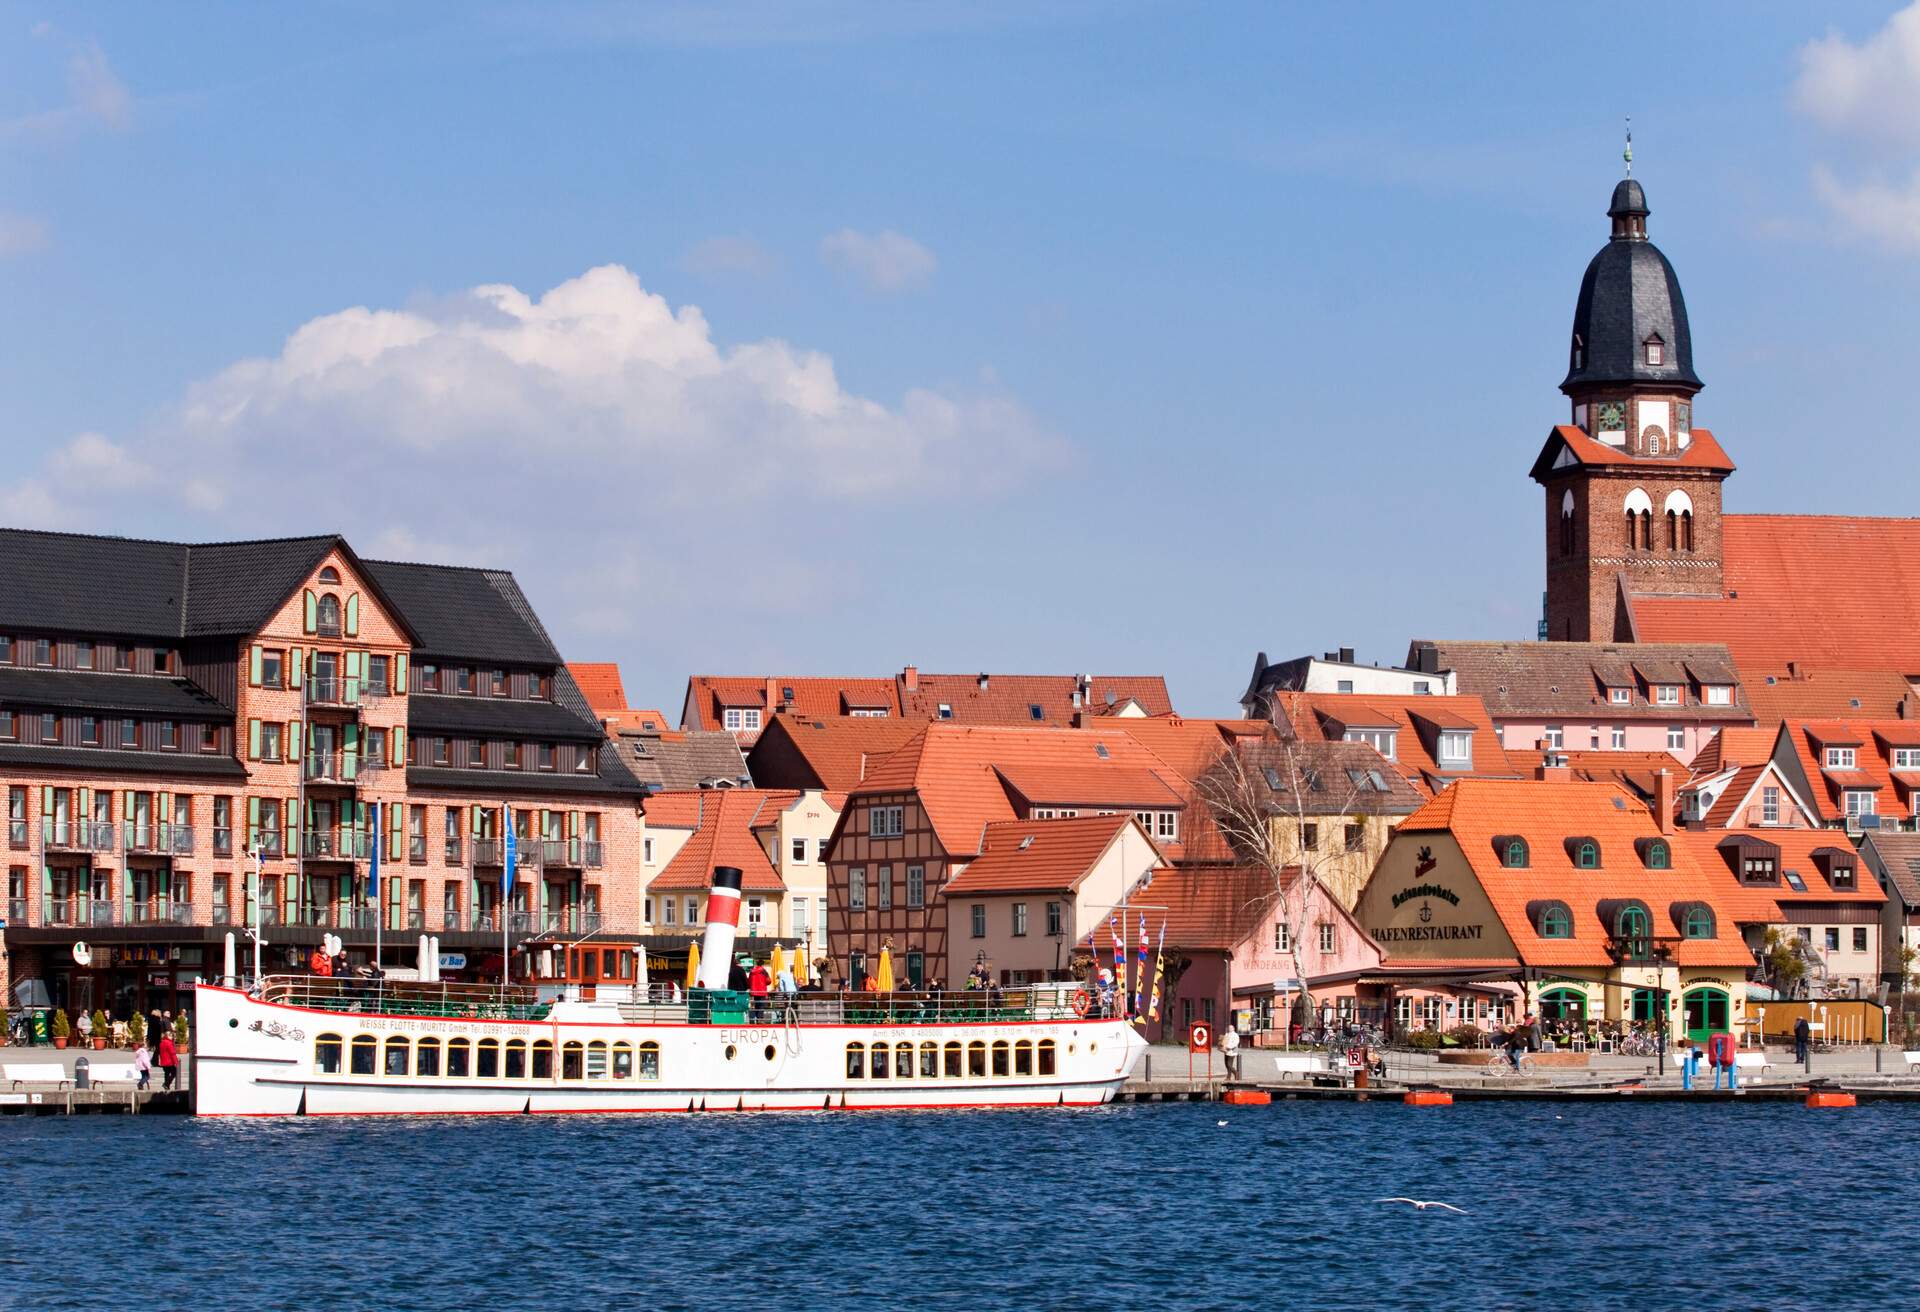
[[931, 1061], [488, 1059]]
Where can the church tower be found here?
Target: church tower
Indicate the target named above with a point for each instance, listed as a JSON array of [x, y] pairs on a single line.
[[1632, 486]]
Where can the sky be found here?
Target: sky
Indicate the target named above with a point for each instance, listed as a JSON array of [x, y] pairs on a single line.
[[825, 337]]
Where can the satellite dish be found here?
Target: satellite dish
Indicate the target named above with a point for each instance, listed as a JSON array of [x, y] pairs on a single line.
[[82, 954], [331, 944]]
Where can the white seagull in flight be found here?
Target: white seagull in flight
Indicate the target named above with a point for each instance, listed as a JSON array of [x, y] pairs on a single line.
[[1423, 1204]]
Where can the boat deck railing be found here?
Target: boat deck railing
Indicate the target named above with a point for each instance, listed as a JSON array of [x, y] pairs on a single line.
[[403, 997]]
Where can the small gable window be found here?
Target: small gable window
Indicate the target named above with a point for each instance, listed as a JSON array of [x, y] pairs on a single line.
[[328, 621], [1513, 854], [1698, 922], [1556, 922], [1658, 856], [1656, 351], [329, 575]]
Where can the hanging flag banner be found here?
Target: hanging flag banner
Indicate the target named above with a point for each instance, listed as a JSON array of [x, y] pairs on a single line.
[[373, 866], [506, 871], [1140, 984], [1159, 974], [1115, 928]]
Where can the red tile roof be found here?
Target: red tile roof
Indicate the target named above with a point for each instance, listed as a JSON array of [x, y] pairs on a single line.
[[1009, 699], [1703, 452], [1417, 720], [1546, 814], [600, 683], [1189, 746], [1634, 770], [838, 751], [1821, 694], [1716, 854], [726, 818], [710, 696], [1829, 591], [1209, 908], [1872, 769], [1038, 856]]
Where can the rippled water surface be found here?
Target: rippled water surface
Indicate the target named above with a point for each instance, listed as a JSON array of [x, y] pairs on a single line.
[[1650, 1206]]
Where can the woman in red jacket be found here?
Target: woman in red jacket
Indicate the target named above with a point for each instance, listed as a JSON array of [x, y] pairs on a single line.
[[169, 1061]]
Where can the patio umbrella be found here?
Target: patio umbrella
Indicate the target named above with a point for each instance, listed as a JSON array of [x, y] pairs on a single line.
[[693, 965], [883, 975], [777, 962], [640, 980]]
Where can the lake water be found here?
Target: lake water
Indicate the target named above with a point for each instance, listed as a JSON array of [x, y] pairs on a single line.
[[1618, 1206]]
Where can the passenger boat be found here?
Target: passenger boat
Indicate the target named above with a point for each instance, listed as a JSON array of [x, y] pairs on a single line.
[[310, 1045]]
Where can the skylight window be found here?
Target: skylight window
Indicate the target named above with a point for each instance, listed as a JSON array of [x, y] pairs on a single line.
[[1358, 779], [1379, 781], [1273, 779], [946, 710], [1034, 711], [1794, 881], [1100, 750]]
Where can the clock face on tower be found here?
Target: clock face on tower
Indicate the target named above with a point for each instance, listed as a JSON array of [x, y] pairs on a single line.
[[1613, 417]]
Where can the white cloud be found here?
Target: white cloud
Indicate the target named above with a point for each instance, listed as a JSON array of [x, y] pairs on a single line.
[[741, 256], [96, 98], [91, 461], [885, 261], [1887, 212], [1870, 89], [20, 233]]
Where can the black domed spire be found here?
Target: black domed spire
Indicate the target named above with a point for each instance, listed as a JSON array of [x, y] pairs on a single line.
[[1629, 300]]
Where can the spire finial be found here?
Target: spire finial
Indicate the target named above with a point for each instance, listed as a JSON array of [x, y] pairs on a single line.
[[1627, 154]]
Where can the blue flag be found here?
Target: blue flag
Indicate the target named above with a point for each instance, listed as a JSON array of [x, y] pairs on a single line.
[[373, 866], [506, 871]]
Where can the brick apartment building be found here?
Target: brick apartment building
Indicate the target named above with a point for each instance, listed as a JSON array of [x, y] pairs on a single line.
[[190, 734]]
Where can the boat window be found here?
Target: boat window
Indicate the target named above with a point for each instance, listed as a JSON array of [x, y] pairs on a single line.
[[542, 1060], [1046, 1056], [649, 1061], [517, 1060], [426, 1061], [326, 1054], [952, 1071], [856, 1061], [903, 1061], [977, 1058], [622, 1061], [487, 1059], [572, 1060], [597, 1060], [458, 1052], [1023, 1058], [398, 1051], [1001, 1057], [590, 964], [363, 1054], [878, 1064], [929, 1061]]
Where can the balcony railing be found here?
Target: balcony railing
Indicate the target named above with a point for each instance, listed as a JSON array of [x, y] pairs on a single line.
[[570, 920], [330, 916], [156, 912], [164, 839], [340, 767], [520, 922], [77, 835], [488, 851], [266, 842], [336, 844], [338, 690], [450, 921], [96, 913]]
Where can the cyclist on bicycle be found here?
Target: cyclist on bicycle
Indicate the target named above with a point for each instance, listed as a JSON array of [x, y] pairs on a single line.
[[1516, 1044]]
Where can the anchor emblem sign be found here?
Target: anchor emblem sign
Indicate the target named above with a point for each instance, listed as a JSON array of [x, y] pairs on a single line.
[[1426, 912]]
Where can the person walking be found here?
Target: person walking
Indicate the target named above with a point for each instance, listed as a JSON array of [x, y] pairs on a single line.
[[169, 1062], [757, 982], [1802, 1041], [144, 1064], [1230, 1051], [154, 1030]]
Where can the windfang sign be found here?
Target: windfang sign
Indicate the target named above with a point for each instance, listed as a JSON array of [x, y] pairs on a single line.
[[1425, 933], [1446, 895]]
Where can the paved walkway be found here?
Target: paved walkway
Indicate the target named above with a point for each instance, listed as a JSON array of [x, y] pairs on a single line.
[[12, 1055]]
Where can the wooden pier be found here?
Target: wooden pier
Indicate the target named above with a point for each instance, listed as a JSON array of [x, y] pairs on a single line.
[[50, 1101]]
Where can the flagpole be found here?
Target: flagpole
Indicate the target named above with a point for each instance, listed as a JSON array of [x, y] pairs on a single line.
[[507, 855], [379, 912]]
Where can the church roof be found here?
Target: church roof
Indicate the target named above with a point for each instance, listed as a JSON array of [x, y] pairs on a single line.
[[1630, 293], [1567, 447]]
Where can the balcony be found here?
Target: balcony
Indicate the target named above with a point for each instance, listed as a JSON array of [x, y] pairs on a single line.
[[570, 920], [265, 842], [156, 912], [336, 845], [75, 835], [82, 912], [330, 916], [338, 767], [488, 851], [144, 839], [518, 922]]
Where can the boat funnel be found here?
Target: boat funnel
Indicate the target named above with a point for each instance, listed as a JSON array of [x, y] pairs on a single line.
[[723, 920]]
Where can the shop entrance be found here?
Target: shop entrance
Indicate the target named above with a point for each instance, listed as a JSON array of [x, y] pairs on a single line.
[[1569, 1005], [1707, 1012]]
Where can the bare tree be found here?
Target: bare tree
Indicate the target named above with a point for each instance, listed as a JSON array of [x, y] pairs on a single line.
[[1244, 795]]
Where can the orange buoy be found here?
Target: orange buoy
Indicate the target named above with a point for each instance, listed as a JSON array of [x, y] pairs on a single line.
[[1824, 1098], [1428, 1098], [1247, 1097]]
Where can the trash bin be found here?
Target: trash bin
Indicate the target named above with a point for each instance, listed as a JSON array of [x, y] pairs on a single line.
[[39, 1028], [81, 1079]]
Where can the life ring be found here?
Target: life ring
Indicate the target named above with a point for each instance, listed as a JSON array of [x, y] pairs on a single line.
[[1081, 1002]]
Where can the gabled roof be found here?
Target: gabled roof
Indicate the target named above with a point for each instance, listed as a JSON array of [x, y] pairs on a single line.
[[834, 753], [1010, 699], [1634, 771], [691, 760], [1899, 856], [465, 613], [1516, 679], [1822, 694], [1836, 592], [1189, 746], [1328, 715], [1568, 447], [1207, 908], [725, 820], [600, 684], [1718, 854], [1545, 813], [1871, 771], [709, 696], [1038, 856]]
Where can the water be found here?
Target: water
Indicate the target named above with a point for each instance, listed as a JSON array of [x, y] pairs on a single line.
[[1617, 1206]]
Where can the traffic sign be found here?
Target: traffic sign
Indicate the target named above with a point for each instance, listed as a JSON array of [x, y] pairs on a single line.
[[1200, 1037]]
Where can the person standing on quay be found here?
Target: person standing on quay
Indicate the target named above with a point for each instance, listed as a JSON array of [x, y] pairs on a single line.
[[169, 1060], [1230, 1051], [144, 1064], [154, 1030], [1802, 1038]]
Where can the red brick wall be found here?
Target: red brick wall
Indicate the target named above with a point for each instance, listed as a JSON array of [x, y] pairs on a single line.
[[1583, 588]]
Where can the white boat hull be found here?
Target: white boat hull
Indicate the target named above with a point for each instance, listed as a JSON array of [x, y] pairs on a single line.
[[255, 1058]]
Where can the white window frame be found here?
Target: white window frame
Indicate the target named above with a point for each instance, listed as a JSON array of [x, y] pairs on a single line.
[[1462, 741], [1167, 825], [646, 910], [646, 851], [1620, 696], [693, 910], [669, 906], [1719, 694], [1619, 738], [1383, 741], [883, 888], [1556, 736], [1840, 758], [857, 889], [1667, 694], [1861, 801], [916, 886], [798, 913], [1019, 919], [797, 849], [886, 821], [1906, 758], [977, 920], [1676, 737], [1281, 939], [1326, 936], [820, 850], [1770, 804]]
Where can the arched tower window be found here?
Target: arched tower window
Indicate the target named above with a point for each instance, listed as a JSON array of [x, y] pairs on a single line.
[[1566, 523], [1639, 508], [1686, 530], [1673, 531], [329, 616], [1679, 510]]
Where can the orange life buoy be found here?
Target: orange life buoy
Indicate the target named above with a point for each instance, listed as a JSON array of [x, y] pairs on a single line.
[[1081, 1002]]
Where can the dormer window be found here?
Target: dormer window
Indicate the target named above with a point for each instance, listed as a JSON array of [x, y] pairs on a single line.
[[1456, 749], [1579, 352], [1667, 694], [1381, 740], [1585, 853], [1719, 694], [1839, 758], [1555, 921], [1620, 696], [1698, 922], [1656, 352], [1657, 855], [1513, 852]]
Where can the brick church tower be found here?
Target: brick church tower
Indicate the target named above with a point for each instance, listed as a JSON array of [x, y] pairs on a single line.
[[1632, 486]]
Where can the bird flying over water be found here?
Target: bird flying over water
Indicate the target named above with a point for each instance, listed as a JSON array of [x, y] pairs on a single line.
[[1423, 1204]]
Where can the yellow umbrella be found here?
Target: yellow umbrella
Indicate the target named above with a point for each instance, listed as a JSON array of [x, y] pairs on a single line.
[[884, 974], [693, 965], [778, 962]]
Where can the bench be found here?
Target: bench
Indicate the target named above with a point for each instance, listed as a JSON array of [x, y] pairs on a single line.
[[1752, 1061], [117, 1073], [1913, 1059], [1290, 1063], [20, 1073]]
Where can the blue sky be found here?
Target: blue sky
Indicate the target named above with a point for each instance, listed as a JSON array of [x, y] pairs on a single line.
[[816, 337]]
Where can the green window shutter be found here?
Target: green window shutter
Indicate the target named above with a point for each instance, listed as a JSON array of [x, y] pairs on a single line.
[[350, 753], [253, 822], [396, 830], [295, 661], [126, 888], [289, 821], [399, 745], [46, 892], [165, 801], [86, 805], [253, 740], [293, 740], [46, 801], [312, 611], [253, 666], [353, 614], [400, 684]]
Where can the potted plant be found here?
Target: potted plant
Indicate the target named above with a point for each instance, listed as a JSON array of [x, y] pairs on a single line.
[[137, 1030], [62, 1027], [180, 1031], [102, 1030]]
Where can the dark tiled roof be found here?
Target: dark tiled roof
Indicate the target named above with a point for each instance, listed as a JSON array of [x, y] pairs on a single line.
[[614, 777], [231, 587], [675, 762], [428, 713], [137, 693], [1571, 678], [479, 614], [95, 761], [1630, 292], [83, 583], [1900, 857]]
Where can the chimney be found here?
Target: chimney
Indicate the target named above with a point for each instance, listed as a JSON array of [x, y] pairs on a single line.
[[723, 919], [1553, 766], [1793, 669], [1346, 655], [910, 678], [773, 695], [983, 683], [1663, 800]]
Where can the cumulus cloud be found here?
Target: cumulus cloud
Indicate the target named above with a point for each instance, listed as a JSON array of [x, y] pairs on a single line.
[[593, 437], [884, 261], [1866, 95], [738, 256], [20, 234]]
